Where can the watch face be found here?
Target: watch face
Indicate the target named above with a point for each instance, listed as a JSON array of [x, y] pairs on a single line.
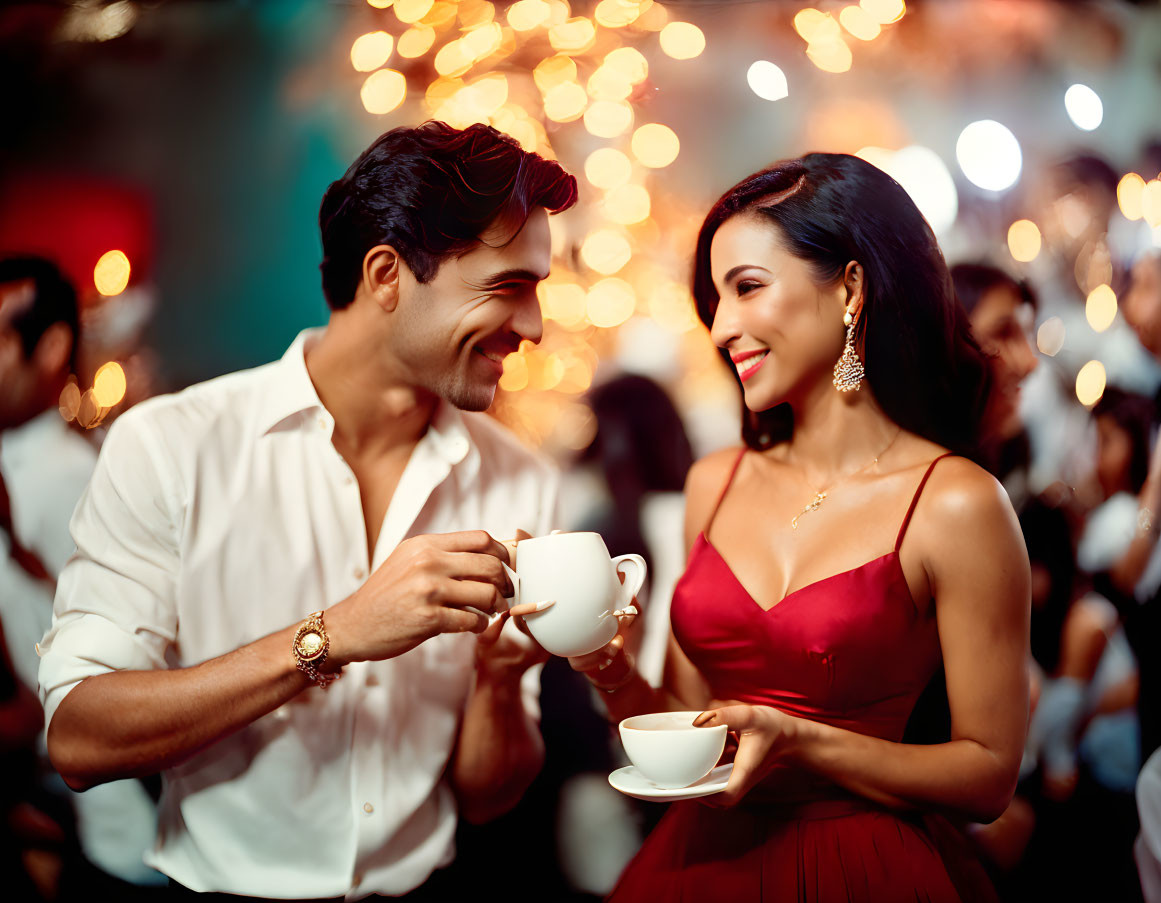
[[310, 643]]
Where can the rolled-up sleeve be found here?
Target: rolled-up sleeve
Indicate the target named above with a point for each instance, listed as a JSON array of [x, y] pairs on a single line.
[[115, 606]]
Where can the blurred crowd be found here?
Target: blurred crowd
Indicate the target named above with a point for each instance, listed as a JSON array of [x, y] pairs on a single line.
[[1081, 465]]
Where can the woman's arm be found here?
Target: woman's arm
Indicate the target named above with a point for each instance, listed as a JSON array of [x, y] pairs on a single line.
[[977, 567]]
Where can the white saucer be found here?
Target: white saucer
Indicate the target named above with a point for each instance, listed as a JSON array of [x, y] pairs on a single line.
[[631, 782]]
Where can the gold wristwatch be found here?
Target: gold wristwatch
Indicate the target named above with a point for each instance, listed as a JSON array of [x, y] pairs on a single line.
[[310, 648]]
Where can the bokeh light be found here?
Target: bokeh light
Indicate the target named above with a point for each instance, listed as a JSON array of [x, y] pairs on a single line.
[[562, 301], [924, 176], [655, 145], [515, 375], [616, 13], [630, 62], [610, 303], [1130, 190], [682, 40], [1151, 202], [627, 204], [1090, 383], [372, 50], [860, 23], [415, 42], [606, 251], [1100, 308], [1024, 240], [607, 168], [411, 11], [884, 11], [1084, 107], [109, 384], [608, 119], [1050, 336], [565, 102], [767, 80], [830, 54], [554, 71], [989, 155], [111, 274], [576, 35], [524, 15], [383, 91], [69, 403]]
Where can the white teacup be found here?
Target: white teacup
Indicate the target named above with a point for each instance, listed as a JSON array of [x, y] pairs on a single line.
[[669, 750], [575, 573]]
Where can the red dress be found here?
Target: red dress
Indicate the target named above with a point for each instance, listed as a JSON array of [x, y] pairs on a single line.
[[851, 650]]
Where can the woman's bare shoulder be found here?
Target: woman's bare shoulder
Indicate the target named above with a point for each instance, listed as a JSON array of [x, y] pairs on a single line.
[[708, 475], [965, 519], [960, 489]]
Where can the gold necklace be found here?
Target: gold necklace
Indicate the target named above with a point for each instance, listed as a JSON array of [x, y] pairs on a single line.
[[820, 495]]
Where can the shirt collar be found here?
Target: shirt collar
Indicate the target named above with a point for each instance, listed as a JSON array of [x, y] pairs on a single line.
[[292, 392]]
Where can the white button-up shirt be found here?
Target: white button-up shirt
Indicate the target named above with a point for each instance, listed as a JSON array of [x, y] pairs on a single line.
[[223, 513]]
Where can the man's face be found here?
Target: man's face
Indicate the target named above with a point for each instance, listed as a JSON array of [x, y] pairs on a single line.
[[453, 332], [1000, 324], [17, 374], [1142, 303]]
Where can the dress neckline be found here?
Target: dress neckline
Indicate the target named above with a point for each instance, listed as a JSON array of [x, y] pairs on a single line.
[[894, 553]]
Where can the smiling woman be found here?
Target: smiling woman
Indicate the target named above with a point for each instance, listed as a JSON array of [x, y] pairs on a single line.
[[836, 561]]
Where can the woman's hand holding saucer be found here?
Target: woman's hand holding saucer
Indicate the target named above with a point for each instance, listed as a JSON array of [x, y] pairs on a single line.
[[766, 738]]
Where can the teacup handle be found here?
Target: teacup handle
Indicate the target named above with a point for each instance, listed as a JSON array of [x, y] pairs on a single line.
[[634, 578]]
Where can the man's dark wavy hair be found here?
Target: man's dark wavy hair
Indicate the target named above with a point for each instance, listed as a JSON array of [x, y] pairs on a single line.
[[430, 192], [922, 364]]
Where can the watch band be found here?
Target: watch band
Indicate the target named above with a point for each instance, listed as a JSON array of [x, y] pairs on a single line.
[[310, 647]]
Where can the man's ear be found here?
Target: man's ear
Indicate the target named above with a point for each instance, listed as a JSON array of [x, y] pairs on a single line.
[[381, 266], [53, 350]]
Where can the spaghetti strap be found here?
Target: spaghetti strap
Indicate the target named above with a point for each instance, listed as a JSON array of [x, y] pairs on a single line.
[[725, 489], [915, 499]]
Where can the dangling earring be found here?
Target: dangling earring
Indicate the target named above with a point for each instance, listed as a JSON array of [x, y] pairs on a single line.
[[848, 372]]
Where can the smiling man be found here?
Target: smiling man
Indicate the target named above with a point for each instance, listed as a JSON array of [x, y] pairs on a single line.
[[248, 541]]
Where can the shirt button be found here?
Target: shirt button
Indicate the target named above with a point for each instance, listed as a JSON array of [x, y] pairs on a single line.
[[348, 481], [368, 808], [372, 680], [322, 423], [358, 879], [360, 573]]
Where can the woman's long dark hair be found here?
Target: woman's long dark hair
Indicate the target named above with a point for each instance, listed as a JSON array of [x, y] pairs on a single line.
[[922, 364]]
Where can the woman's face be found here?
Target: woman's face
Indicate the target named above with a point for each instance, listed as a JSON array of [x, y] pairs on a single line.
[[998, 324], [1114, 456], [782, 331]]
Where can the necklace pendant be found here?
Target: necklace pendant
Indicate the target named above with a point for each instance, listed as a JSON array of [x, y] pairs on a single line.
[[813, 505]]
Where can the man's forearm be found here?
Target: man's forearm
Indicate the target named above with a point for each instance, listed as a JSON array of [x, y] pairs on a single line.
[[134, 723], [499, 751]]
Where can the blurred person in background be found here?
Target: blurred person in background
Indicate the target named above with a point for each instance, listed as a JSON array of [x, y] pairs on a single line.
[[1000, 310], [246, 542], [44, 467], [644, 456], [815, 667]]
